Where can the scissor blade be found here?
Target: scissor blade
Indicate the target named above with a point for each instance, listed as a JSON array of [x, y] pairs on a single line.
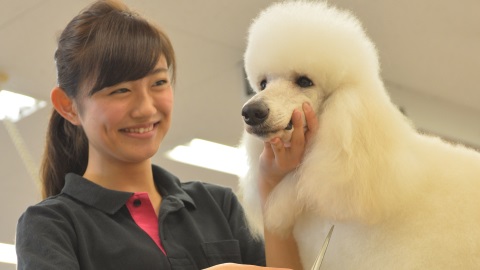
[[318, 261]]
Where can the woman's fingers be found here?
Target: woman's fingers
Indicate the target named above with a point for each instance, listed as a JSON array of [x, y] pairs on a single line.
[[312, 121], [268, 151], [297, 139], [290, 156], [277, 159], [234, 266], [277, 147]]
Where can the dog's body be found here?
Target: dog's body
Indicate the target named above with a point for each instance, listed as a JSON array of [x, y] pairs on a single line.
[[398, 199]]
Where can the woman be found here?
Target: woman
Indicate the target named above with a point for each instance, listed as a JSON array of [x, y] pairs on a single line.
[[106, 206]]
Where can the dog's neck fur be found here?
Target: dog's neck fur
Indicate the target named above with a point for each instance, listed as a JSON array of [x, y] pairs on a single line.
[[355, 137]]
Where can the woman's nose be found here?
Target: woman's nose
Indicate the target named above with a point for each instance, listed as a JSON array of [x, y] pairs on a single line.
[[144, 105]]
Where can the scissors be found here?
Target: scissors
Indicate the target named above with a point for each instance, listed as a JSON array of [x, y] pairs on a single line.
[[319, 259]]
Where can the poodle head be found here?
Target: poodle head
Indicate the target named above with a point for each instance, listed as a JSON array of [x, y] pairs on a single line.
[[301, 52]]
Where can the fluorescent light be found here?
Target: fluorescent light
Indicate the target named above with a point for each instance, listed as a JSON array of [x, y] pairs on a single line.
[[8, 254], [211, 155], [14, 106]]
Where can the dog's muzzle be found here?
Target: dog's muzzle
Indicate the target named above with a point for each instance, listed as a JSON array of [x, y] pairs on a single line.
[[255, 113]]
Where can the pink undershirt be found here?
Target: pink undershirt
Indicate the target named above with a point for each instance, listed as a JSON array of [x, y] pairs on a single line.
[[143, 214]]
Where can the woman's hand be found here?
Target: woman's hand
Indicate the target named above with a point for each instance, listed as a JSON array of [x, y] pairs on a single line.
[[234, 266], [277, 160]]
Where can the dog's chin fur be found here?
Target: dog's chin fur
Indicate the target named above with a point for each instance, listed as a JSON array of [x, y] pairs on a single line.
[[398, 199], [284, 135]]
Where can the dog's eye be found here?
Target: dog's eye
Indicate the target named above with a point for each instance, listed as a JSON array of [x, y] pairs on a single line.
[[263, 84], [304, 82]]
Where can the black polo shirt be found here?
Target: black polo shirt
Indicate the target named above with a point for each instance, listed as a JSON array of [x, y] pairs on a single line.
[[87, 226]]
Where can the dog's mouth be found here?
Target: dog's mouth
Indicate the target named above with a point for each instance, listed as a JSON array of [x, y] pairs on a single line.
[[290, 125], [266, 132]]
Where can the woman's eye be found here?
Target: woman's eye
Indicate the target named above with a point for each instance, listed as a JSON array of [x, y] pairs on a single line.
[[304, 82], [161, 82], [119, 91], [263, 84]]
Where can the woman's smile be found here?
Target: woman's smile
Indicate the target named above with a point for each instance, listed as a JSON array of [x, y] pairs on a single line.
[[140, 130]]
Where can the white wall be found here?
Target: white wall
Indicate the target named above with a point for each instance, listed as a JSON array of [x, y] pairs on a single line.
[[437, 116]]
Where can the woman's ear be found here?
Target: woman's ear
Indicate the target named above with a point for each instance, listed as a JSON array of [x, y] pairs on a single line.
[[64, 105]]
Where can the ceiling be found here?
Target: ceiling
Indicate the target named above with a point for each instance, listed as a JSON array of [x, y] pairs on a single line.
[[429, 52]]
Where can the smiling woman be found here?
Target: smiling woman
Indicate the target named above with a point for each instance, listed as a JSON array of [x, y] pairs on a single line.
[[105, 205], [116, 119], [87, 62], [112, 109]]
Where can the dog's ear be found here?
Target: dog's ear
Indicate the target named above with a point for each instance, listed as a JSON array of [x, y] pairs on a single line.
[[347, 145], [342, 115], [357, 128], [361, 123]]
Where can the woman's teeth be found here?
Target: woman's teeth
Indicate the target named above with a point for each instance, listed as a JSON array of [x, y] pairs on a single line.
[[139, 130]]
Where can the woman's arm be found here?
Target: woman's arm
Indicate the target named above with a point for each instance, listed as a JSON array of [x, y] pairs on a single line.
[[234, 266], [276, 162]]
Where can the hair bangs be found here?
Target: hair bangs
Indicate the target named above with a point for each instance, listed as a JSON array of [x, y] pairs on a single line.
[[124, 48]]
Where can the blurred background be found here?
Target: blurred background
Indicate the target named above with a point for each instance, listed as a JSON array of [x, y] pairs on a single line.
[[429, 52]]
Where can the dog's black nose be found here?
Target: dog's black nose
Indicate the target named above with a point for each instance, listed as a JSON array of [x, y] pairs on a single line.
[[255, 113]]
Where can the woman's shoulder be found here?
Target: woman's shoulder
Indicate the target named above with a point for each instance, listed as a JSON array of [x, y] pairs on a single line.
[[212, 195], [55, 207], [205, 187], [194, 191], [56, 201], [172, 183]]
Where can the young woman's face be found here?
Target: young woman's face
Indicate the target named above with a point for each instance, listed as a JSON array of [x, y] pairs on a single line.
[[128, 121]]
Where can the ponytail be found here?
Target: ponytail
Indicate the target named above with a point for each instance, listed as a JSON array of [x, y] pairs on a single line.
[[66, 151]]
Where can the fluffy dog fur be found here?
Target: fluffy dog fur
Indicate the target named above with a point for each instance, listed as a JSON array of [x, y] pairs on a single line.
[[398, 199]]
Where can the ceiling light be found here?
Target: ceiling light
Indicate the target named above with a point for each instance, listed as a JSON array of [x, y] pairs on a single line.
[[8, 254], [14, 106], [211, 155]]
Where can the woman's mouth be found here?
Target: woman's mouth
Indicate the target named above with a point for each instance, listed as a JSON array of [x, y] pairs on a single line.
[[140, 130]]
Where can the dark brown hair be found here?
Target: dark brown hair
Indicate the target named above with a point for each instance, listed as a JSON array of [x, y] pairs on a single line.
[[102, 46]]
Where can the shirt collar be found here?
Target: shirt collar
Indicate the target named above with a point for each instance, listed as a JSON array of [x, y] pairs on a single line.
[[170, 185], [110, 201]]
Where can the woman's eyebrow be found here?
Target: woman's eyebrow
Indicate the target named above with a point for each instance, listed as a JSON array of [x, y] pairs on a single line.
[[158, 70]]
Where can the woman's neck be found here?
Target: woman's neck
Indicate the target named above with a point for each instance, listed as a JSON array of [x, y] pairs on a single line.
[[129, 177]]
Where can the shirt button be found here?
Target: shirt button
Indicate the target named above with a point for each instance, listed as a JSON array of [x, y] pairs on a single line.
[[137, 202]]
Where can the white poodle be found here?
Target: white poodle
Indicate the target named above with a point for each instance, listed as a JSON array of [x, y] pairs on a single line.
[[398, 199]]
